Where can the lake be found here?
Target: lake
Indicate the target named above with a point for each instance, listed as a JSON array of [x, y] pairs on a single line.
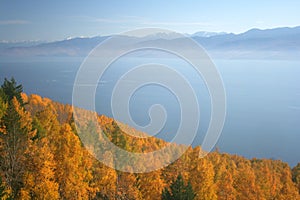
[[263, 99]]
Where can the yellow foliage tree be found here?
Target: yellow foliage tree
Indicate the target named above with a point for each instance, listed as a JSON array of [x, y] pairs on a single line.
[[151, 185], [72, 170]]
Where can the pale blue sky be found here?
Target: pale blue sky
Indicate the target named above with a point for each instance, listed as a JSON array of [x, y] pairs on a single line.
[[57, 20]]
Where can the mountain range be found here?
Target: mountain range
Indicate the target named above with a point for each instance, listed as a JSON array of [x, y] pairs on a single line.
[[277, 43]]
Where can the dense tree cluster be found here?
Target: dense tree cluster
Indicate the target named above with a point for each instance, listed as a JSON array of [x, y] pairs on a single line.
[[42, 157]]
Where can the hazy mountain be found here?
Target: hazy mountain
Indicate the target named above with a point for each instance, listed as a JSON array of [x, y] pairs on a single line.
[[281, 43], [163, 35], [271, 43], [279, 39], [207, 34], [68, 47], [8, 44]]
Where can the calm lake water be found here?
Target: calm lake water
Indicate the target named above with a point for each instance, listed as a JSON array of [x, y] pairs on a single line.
[[263, 99]]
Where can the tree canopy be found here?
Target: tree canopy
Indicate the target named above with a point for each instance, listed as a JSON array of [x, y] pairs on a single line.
[[42, 157]]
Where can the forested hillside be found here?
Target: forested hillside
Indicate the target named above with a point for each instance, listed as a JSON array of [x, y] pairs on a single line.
[[42, 157]]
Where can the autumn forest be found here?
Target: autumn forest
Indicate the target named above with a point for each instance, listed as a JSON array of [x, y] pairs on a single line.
[[42, 157]]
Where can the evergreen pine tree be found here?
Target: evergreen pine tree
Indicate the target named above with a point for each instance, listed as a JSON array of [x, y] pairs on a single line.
[[11, 90], [190, 194], [179, 191]]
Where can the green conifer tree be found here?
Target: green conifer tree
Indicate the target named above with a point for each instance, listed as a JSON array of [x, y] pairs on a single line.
[[179, 191]]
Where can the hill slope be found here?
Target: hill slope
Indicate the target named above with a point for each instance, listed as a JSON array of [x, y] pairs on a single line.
[[56, 164]]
